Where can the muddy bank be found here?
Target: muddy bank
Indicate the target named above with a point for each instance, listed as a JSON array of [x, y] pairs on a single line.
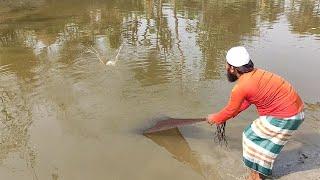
[[300, 158], [309, 174]]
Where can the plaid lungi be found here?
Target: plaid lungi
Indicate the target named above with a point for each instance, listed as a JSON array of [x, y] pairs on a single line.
[[264, 138]]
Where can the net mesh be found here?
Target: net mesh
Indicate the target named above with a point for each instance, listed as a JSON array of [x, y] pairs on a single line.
[[172, 123]]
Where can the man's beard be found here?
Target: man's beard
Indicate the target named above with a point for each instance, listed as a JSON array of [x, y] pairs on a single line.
[[231, 77]]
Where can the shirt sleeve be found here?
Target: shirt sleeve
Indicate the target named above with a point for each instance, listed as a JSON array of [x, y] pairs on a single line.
[[236, 104], [245, 104]]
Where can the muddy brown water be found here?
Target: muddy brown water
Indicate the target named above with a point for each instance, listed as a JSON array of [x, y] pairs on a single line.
[[67, 115]]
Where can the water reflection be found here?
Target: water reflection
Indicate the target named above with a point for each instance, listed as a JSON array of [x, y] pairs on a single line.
[[304, 17], [166, 43], [270, 11], [223, 28], [162, 40]]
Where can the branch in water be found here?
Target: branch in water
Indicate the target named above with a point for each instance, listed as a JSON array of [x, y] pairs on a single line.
[[94, 51], [110, 62]]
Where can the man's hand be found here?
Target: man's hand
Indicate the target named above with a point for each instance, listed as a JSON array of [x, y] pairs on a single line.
[[210, 119]]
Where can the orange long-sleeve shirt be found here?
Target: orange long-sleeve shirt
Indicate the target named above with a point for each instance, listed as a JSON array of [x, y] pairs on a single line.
[[271, 94]]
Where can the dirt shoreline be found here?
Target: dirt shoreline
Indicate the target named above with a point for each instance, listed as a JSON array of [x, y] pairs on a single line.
[[303, 152], [309, 174], [300, 158]]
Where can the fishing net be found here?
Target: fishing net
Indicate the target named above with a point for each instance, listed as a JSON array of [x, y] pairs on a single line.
[[220, 134], [170, 123]]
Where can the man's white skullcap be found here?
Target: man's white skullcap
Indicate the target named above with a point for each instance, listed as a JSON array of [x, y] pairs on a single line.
[[238, 56]]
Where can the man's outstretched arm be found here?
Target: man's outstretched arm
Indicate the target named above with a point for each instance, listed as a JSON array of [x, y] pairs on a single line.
[[236, 104]]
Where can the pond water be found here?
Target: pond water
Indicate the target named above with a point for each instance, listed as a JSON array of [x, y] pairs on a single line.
[[80, 80]]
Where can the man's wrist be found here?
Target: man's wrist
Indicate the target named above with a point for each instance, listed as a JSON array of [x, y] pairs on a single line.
[[210, 119]]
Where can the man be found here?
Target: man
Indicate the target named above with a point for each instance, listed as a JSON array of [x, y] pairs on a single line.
[[279, 106]]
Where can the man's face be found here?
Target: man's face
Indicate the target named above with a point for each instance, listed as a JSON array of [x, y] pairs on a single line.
[[231, 73]]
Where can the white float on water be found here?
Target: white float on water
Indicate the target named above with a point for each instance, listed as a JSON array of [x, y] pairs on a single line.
[[108, 63]]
